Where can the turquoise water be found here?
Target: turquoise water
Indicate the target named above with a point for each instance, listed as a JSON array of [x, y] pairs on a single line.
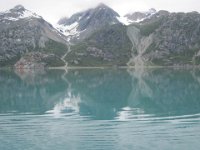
[[100, 109]]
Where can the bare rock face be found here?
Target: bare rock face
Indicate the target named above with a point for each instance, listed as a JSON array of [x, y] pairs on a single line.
[[30, 61], [37, 60]]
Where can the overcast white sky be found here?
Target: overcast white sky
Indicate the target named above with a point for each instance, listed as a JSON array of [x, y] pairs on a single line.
[[52, 10]]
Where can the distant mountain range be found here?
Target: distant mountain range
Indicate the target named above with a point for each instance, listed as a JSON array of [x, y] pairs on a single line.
[[99, 37]]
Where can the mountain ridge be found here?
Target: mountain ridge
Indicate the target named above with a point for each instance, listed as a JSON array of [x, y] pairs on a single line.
[[161, 39], [97, 37]]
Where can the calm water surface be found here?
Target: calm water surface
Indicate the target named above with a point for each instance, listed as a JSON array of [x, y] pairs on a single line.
[[100, 110]]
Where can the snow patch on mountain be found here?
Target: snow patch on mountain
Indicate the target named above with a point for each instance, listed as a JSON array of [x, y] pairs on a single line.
[[124, 20], [68, 29], [28, 14], [136, 17]]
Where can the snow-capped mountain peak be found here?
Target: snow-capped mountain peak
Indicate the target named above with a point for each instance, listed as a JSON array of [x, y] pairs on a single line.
[[87, 21], [17, 13]]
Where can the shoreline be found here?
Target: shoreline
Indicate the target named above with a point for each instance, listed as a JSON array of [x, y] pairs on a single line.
[[123, 67], [102, 67]]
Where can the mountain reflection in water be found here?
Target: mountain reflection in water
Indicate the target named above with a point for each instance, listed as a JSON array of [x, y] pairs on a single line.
[[101, 94], [100, 109]]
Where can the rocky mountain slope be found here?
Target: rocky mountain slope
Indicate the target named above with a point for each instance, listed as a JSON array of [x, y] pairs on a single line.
[[161, 39], [100, 37], [22, 32]]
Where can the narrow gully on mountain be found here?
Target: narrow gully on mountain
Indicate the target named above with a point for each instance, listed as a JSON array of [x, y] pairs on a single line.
[[64, 56]]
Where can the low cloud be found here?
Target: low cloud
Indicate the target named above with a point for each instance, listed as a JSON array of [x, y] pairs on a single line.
[[52, 10]]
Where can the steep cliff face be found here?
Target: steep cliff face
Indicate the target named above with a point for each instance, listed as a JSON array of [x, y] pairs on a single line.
[[22, 31]]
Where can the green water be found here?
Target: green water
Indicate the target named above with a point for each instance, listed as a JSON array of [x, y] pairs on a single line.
[[100, 109]]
